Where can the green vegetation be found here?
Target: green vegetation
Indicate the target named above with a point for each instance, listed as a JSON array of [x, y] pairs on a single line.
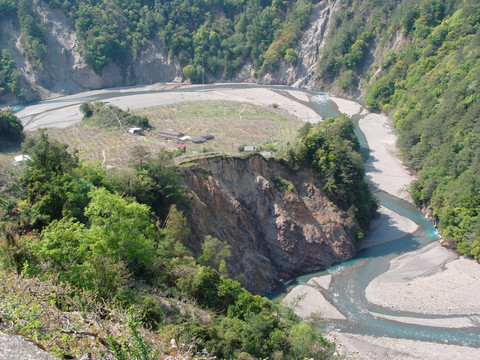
[[88, 267], [11, 129], [9, 77], [282, 184], [431, 84], [32, 34], [287, 38], [206, 36], [354, 28], [331, 148], [99, 113], [32, 40], [7, 7]]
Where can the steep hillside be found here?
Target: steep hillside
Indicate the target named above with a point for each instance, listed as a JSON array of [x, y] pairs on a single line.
[[430, 87], [63, 48], [63, 68], [274, 232], [86, 266], [418, 61]]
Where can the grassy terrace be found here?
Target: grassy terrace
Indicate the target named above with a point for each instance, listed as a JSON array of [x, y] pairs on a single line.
[[232, 124]]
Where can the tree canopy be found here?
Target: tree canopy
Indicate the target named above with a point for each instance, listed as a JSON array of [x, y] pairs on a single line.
[[331, 148], [93, 231], [430, 86], [11, 129], [206, 36]]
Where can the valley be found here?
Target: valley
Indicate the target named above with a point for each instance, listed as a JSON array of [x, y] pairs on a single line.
[[386, 173], [182, 158]]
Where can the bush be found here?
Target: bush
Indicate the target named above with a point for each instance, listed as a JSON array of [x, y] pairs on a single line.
[[10, 127], [283, 185], [290, 56], [347, 80], [87, 109]]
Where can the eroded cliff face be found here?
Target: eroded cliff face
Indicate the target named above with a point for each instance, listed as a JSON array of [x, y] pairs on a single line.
[[303, 73], [274, 234]]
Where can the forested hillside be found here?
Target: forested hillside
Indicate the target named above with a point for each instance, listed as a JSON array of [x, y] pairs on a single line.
[[68, 222], [418, 61], [114, 245], [218, 37], [109, 245], [431, 88]]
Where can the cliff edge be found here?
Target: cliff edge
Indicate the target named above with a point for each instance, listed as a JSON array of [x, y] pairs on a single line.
[[275, 233]]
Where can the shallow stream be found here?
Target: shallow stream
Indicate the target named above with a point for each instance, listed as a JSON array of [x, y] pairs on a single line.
[[350, 279]]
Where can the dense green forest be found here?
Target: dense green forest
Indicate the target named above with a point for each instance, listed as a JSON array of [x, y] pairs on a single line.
[[431, 88], [213, 36], [11, 130], [83, 231], [355, 28], [9, 76], [110, 244]]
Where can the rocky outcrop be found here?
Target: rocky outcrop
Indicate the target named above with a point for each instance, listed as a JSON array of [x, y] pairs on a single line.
[[308, 48], [274, 234], [17, 347]]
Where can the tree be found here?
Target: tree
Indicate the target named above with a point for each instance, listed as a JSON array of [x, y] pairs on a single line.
[[191, 73], [357, 53], [167, 182], [305, 342], [139, 156], [87, 109], [290, 56], [6, 7], [176, 225], [126, 230], [11, 129], [49, 156], [378, 95], [67, 246], [202, 286], [9, 76], [65, 243], [347, 80], [53, 190], [215, 252]]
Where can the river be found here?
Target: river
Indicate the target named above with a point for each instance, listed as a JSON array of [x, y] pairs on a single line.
[[350, 279]]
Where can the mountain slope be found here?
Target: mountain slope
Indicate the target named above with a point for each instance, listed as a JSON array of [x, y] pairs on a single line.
[[80, 45], [430, 87]]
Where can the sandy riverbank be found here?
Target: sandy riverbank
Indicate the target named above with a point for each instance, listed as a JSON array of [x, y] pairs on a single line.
[[307, 300], [363, 347], [432, 280], [51, 114]]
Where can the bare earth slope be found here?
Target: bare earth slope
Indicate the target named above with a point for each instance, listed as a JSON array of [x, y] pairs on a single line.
[[274, 234]]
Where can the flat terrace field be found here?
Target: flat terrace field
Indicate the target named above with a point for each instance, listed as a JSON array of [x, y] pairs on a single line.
[[231, 123]]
